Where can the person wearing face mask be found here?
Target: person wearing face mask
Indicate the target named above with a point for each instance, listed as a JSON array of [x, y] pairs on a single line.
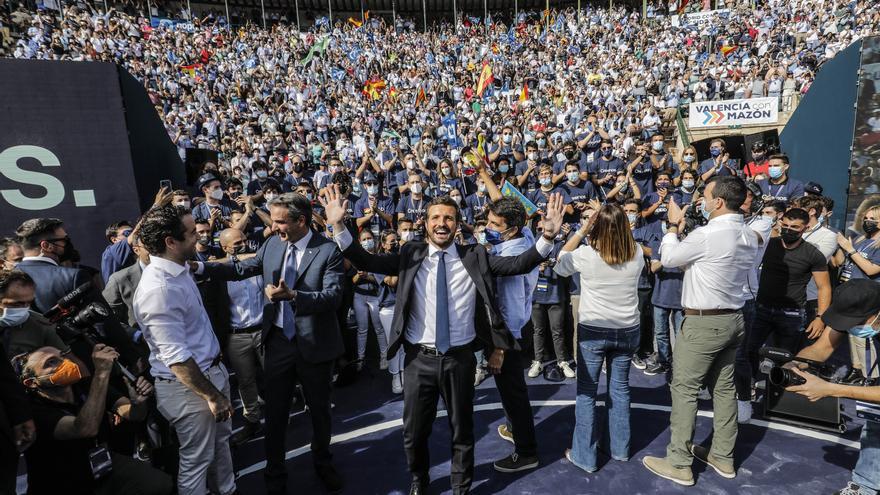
[[414, 205], [213, 209], [719, 164], [447, 179], [758, 167], [568, 154], [22, 330], [406, 231], [654, 204], [72, 419], [580, 190], [854, 312], [660, 159], [644, 234], [718, 257], [181, 198], [787, 266], [373, 211], [525, 171], [605, 167], [688, 186], [260, 178], [387, 299], [366, 305], [541, 196], [779, 185], [10, 253], [478, 202], [243, 300]]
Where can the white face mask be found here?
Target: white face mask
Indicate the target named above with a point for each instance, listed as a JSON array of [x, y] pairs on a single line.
[[416, 187], [533, 156], [184, 204], [446, 171], [217, 194], [407, 236], [687, 184], [269, 197], [457, 199], [411, 164], [368, 244], [657, 145], [13, 317]]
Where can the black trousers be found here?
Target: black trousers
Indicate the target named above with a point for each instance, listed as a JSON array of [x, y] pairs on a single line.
[[284, 365], [426, 378], [646, 323], [514, 394]]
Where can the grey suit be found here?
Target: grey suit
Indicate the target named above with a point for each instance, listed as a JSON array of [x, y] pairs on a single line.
[[309, 356], [119, 292]]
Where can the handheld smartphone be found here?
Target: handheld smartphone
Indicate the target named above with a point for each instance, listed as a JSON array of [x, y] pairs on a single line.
[[165, 183]]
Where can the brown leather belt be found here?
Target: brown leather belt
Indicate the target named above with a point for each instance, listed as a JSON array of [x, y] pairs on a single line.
[[709, 312]]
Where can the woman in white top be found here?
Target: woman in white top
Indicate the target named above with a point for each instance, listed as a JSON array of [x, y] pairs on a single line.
[[608, 328]]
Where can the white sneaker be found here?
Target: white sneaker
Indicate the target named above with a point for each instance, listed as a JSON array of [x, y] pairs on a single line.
[[396, 384], [535, 369], [480, 375], [566, 370], [383, 364], [743, 411]]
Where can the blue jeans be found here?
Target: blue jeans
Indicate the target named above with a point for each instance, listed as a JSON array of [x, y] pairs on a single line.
[[867, 471], [661, 331], [596, 345]]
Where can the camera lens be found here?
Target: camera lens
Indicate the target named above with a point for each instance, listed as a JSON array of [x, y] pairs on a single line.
[[782, 377]]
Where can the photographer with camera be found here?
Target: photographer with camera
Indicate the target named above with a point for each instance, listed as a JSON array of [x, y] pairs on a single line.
[[854, 310], [23, 330], [70, 454]]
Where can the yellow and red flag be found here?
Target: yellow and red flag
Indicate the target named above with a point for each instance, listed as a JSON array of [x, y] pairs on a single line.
[[421, 97], [524, 94], [354, 22], [373, 88], [727, 50], [485, 78]]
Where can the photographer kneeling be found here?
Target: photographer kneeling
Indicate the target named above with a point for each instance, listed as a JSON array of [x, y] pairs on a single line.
[[69, 455], [855, 309]]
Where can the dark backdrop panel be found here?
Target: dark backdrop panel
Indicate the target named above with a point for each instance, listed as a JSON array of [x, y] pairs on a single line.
[[153, 154], [866, 143], [71, 111], [79, 141], [819, 134]]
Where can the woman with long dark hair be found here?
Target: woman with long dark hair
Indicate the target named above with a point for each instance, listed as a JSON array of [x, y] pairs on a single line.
[[608, 328]]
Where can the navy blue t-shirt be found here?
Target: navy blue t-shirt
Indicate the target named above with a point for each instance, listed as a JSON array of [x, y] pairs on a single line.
[[643, 174], [787, 191], [377, 223], [667, 281], [644, 235], [551, 286]]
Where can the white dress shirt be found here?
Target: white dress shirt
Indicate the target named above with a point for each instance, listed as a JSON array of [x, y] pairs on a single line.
[[762, 226], [421, 325], [40, 258], [716, 259], [247, 300], [168, 309], [823, 238], [301, 246]]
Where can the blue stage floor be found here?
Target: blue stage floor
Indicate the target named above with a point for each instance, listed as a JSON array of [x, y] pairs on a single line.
[[368, 448]]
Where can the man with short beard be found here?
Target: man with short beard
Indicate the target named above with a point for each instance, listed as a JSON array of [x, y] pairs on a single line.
[[438, 274]]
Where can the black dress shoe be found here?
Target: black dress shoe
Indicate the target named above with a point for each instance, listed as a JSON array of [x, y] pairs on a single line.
[[332, 480], [248, 431], [418, 488]]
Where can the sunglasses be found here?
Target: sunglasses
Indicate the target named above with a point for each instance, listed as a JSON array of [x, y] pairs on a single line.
[[690, 153]]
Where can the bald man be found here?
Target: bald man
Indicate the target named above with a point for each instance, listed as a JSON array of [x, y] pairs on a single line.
[[246, 301]]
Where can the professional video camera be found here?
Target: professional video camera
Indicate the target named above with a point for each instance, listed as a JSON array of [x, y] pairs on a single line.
[[793, 408], [784, 377], [76, 319], [757, 198], [693, 217]]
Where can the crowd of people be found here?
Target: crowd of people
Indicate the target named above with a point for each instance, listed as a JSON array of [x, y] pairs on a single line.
[[479, 196]]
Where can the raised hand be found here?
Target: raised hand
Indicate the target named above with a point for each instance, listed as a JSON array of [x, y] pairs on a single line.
[[335, 206], [552, 218]]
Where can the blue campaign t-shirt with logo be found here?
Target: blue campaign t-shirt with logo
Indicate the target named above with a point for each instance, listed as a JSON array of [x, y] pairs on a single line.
[[787, 191], [643, 174], [477, 204], [644, 235], [532, 180], [709, 163], [661, 210], [602, 168], [667, 281], [411, 208], [540, 198], [870, 250], [377, 223], [550, 286]]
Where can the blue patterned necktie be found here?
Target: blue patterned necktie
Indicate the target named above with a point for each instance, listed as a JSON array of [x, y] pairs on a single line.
[[288, 319], [442, 300]]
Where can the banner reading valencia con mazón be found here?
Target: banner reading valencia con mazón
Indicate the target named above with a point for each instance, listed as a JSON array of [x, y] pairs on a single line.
[[733, 112]]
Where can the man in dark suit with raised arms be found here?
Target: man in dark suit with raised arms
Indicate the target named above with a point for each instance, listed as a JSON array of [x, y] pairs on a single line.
[[457, 280]]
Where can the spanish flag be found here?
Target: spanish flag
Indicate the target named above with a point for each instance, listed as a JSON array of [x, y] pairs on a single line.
[[727, 50], [485, 78], [373, 87], [392, 93], [190, 69], [524, 94], [354, 22]]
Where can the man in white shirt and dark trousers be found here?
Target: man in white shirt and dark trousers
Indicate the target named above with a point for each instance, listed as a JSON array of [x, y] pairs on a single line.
[[717, 259], [192, 385], [244, 349], [439, 360]]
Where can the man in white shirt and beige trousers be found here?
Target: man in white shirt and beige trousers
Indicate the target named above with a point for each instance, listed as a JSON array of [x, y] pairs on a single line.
[[192, 385], [716, 259]]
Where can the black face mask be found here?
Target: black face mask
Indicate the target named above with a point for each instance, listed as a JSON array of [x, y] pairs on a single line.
[[70, 253], [870, 227], [298, 168], [204, 241], [789, 236]]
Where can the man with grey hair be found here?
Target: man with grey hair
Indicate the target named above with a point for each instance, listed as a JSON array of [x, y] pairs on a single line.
[[303, 274]]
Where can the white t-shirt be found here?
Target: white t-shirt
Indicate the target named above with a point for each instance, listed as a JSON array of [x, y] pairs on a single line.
[[609, 294]]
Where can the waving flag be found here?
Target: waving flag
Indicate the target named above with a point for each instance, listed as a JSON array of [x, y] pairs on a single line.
[[485, 78], [354, 22], [451, 125], [421, 97], [727, 50], [524, 94], [509, 191], [373, 88]]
